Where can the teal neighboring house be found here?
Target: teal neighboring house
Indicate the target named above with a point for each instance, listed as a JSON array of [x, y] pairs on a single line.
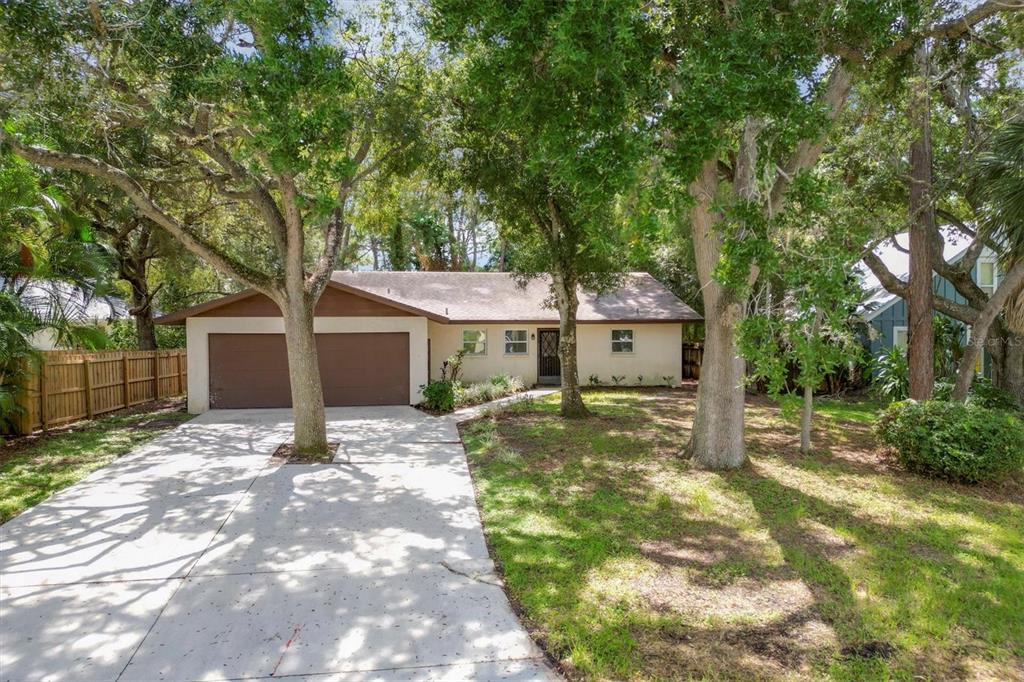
[[886, 313]]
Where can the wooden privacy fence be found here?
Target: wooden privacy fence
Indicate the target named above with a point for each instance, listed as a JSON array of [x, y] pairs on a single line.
[[70, 385], [693, 355]]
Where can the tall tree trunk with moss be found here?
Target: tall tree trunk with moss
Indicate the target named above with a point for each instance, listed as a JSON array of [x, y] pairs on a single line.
[[716, 441], [921, 351], [567, 300]]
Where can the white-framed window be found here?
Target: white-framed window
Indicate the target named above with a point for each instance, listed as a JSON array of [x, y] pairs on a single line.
[[900, 337], [988, 275], [516, 342], [474, 341], [622, 340]]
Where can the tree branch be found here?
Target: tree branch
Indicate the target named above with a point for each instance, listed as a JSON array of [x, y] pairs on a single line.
[[958, 27], [894, 285], [146, 206], [809, 150]]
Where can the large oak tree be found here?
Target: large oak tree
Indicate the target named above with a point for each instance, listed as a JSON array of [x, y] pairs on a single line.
[[754, 93], [269, 111]]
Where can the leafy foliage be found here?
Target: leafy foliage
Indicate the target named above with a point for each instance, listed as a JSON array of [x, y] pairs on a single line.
[[46, 254], [122, 335], [439, 396], [983, 393], [966, 443], [803, 320], [497, 386], [1000, 180], [891, 374]]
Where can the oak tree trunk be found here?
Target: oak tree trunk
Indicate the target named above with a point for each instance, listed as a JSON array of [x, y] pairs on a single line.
[[304, 375], [1008, 287], [568, 303], [921, 336], [142, 311], [1012, 379], [717, 438]]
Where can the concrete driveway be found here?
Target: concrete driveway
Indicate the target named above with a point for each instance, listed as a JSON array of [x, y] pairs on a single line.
[[195, 557]]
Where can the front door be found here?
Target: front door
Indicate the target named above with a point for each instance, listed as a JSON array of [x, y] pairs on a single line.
[[549, 369]]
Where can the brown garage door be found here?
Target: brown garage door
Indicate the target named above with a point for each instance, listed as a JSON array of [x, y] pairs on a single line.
[[251, 370]]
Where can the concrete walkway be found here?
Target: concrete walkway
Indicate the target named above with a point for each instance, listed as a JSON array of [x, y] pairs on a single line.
[[196, 558]]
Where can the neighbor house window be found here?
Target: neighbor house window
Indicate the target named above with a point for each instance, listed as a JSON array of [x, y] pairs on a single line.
[[987, 276], [622, 340], [474, 341], [515, 342], [899, 337]]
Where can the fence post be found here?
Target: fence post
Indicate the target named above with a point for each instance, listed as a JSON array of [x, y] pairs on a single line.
[[42, 391], [88, 387], [177, 372], [156, 375], [124, 375]]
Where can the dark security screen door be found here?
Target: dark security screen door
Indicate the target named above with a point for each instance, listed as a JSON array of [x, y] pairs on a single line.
[[549, 370]]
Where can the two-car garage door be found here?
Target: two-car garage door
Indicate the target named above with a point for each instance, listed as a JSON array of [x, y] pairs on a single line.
[[251, 370]]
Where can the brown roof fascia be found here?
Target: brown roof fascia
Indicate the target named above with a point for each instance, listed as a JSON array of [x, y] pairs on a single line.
[[554, 321], [179, 316]]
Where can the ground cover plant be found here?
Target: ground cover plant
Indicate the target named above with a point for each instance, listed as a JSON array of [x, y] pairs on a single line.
[[629, 563]]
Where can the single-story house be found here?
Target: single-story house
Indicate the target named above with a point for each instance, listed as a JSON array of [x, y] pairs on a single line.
[[381, 336]]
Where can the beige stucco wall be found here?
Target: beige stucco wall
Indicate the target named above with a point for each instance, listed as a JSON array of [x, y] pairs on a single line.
[[197, 329], [446, 340], [657, 352]]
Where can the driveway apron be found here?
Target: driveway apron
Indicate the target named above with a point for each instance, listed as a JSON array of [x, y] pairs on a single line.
[[197, 557]]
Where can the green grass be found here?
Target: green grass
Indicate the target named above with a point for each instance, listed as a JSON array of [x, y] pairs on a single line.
[[33, 469], [859, 411], [630, 564]]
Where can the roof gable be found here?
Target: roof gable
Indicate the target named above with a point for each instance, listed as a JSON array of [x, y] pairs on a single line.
[[336, 301]]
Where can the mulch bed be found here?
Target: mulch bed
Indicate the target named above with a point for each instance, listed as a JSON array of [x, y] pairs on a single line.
[[287, 454]]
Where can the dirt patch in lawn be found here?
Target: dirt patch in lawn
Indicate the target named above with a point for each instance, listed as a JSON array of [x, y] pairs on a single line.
[[628, 563], [286, 453]]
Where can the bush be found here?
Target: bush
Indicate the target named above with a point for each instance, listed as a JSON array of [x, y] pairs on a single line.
[[439, 396], [967, 443], [983, 393], [986, 394]]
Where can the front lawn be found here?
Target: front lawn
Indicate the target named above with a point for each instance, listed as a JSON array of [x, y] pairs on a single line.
[[628, 563], [34, 467]]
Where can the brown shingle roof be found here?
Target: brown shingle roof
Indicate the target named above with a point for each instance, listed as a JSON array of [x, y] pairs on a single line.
[[497, 297]]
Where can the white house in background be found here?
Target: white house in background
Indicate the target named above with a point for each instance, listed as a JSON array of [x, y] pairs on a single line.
[[45, 298], [381, 336]]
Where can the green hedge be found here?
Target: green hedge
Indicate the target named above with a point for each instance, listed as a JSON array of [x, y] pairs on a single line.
[[966, 443]]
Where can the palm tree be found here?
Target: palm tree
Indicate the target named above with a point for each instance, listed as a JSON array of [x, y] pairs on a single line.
[[45, 251], [999, 177]]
